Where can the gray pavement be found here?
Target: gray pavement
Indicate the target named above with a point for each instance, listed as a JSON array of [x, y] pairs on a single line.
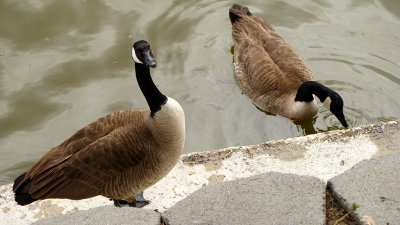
[[106, 215], [373, 188], [271, 198]]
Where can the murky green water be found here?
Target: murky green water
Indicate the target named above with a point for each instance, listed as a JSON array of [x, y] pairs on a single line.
[[65, 63]]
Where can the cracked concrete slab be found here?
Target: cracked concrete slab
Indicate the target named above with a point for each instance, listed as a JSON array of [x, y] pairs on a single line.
[[372, 187], [270, 198]]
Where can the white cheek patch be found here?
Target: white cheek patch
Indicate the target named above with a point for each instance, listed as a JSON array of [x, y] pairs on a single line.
[[135, 58], [327, 103]]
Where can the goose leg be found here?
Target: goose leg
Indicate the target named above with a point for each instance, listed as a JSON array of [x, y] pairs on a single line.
[[119, 202], [139, 201]]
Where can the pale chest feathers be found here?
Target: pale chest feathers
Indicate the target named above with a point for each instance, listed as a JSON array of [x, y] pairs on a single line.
[[303, 110], [168, 124]]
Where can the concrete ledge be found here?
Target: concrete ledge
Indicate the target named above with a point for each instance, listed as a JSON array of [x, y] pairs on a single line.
[[323, 156]]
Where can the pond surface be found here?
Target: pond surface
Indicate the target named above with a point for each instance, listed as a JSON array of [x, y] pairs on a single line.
[[63, 64]]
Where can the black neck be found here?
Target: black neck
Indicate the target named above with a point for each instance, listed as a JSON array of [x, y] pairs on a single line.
[[308, 88], [153, 96]]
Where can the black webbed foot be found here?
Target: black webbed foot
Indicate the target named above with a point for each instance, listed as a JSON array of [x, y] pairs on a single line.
[[139, 201]]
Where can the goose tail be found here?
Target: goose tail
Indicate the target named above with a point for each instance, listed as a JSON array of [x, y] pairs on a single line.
[[236, 11], [21, 188]]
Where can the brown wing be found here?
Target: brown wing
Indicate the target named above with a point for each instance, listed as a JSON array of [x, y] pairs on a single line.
[[282, 54], [83, 137], [257, 74], [267, 66], [268, 69], [82, 165]]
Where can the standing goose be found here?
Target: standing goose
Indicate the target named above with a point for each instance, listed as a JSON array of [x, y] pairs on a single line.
[[269, 71], [118, 155]]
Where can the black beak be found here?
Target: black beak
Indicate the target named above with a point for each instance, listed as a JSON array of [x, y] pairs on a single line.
[[341, 118], [149, 59]]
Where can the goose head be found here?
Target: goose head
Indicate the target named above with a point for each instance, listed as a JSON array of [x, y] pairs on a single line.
[[328, 97], [141, 53], [334, 103]]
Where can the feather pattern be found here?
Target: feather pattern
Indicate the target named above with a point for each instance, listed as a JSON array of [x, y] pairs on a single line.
[[267, 68], [114, 156]]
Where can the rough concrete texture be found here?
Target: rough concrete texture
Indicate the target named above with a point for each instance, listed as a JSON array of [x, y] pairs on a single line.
[[322, 155], [11, 213], [373, 188], [107, 215], [270, 198]]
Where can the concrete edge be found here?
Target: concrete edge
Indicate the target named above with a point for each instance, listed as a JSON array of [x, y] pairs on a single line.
[[372, 130]]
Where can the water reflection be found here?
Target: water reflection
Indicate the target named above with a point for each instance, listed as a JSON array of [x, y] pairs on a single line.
[[391, 6], [281, 13], [357, 3], [34, 103], [56, 20], [307, 126], [1, 83], [26, 110], [383, 73]]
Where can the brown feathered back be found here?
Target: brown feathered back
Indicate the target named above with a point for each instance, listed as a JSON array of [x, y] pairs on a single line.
[[115, 156], [267, 68]]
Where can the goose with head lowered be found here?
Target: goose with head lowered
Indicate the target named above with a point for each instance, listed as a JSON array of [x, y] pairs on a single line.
[[116, 156], [272, 74]]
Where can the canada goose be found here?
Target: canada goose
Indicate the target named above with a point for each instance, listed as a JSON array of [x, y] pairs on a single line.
[[270, 72], [118, 155]]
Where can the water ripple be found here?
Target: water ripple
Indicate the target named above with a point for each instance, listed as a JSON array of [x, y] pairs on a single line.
[[382, 72]]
